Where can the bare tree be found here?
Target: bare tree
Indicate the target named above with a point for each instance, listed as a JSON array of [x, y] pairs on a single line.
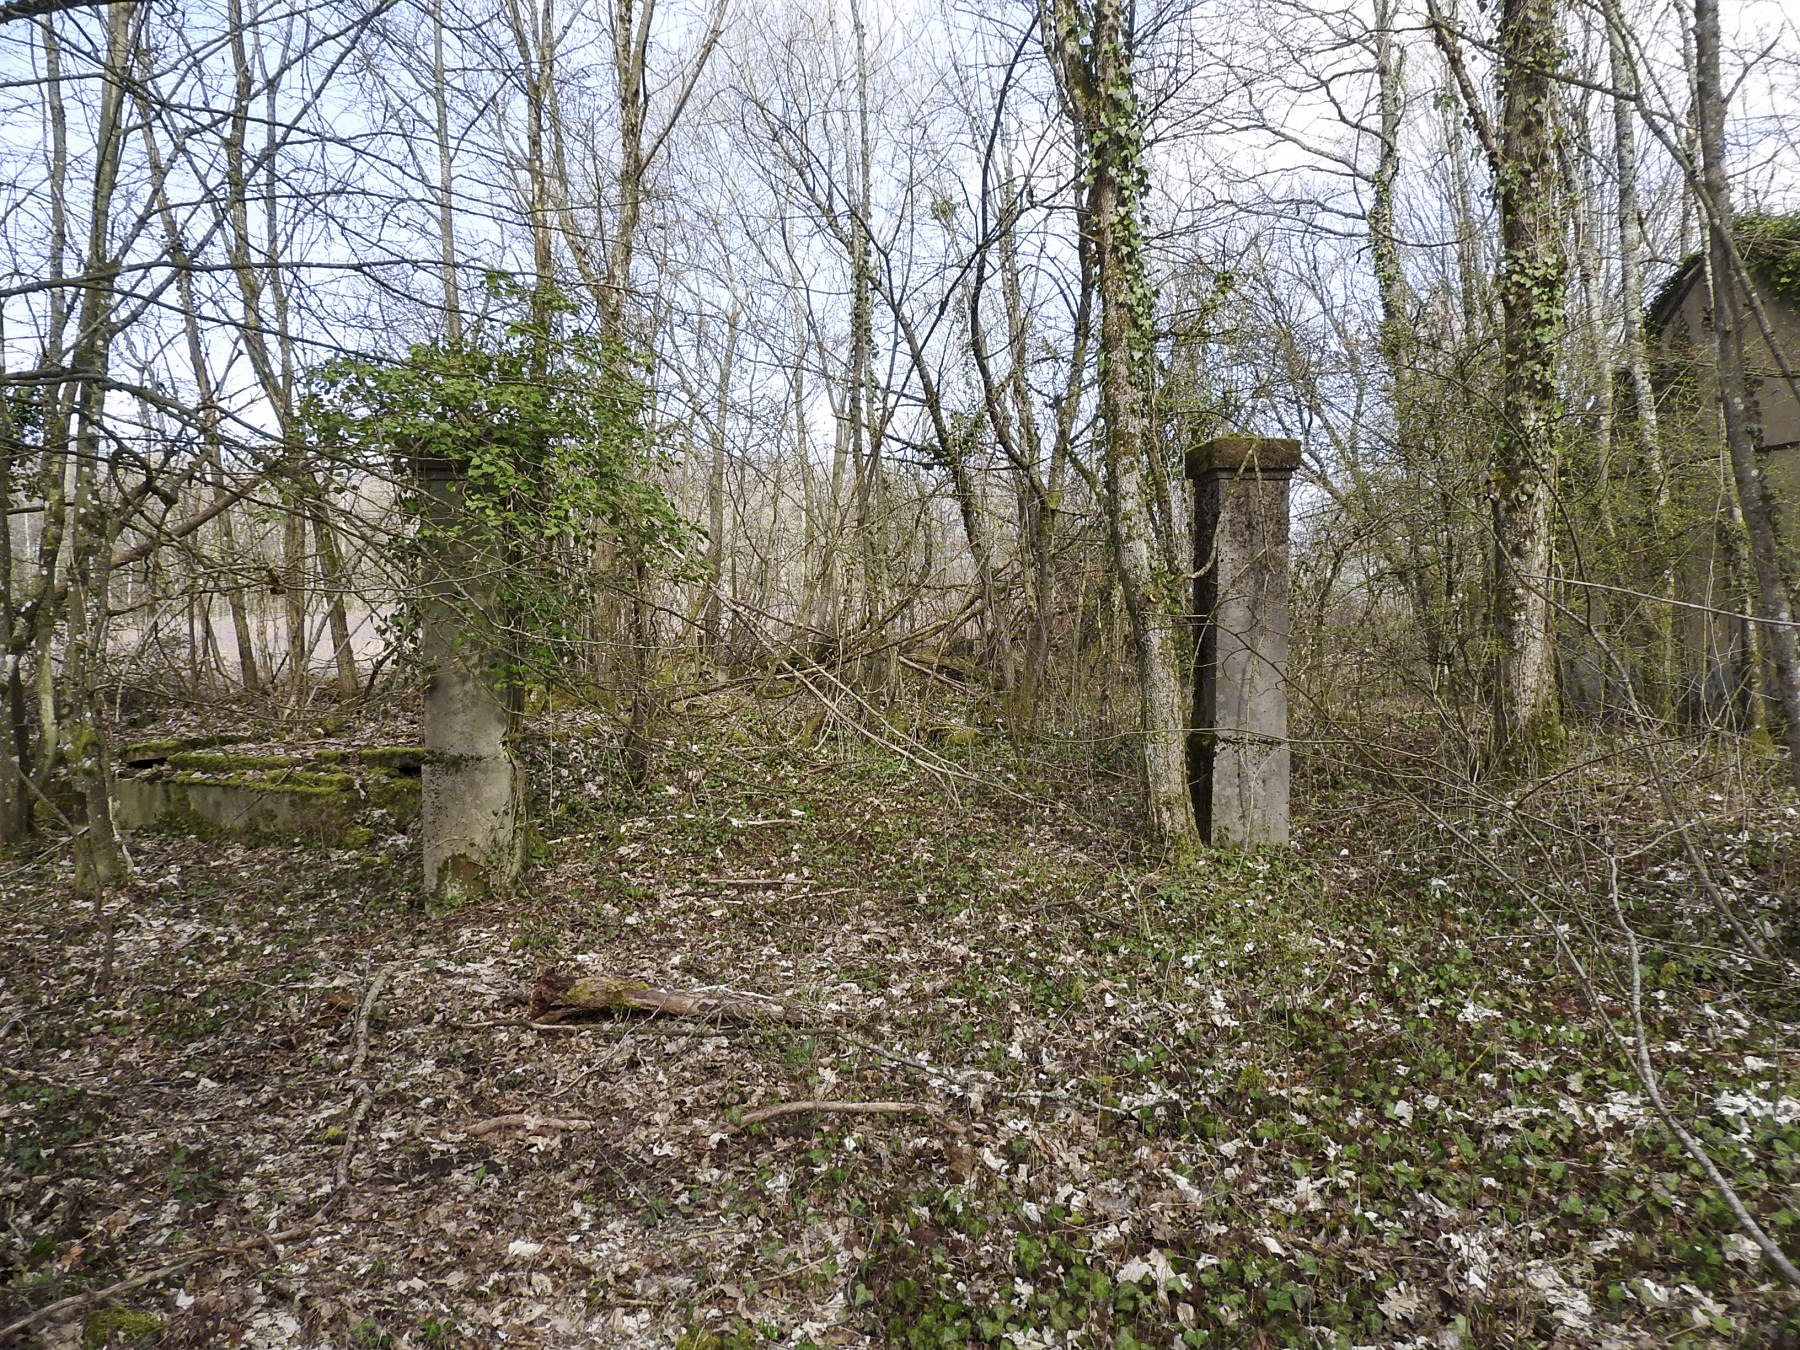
[[1090, 48]]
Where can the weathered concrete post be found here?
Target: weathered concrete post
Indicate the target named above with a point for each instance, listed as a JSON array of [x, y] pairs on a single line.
[[471, 786], [1238, 749]]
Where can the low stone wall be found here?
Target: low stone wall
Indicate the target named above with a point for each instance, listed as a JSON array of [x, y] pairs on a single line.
[[327, 794]]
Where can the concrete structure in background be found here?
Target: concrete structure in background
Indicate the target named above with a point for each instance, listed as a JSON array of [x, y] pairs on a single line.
[[1713, 643], [1238, 748]]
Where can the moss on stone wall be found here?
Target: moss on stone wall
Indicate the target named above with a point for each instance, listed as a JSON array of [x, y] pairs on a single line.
[[310, 793]]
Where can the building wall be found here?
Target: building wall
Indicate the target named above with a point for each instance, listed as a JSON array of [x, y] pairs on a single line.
[[1713, 649]]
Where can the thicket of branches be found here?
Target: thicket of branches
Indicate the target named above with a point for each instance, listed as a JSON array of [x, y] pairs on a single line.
[[927, 311]]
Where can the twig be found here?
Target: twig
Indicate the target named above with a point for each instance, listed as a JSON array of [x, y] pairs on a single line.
[[776, 1112], [363, 1096], [531, 1124], [1647, 1076], [921, 1065], [74, 1301]]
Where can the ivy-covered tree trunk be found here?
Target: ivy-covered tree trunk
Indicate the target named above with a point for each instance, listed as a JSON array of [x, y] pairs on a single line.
[[1527, 730], [1090, 48], [631, 37]]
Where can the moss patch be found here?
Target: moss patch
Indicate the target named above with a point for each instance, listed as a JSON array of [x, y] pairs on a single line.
[[119, 1326], [154, 751]]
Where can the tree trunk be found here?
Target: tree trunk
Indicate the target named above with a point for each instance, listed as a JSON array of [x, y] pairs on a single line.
[[99, 860], [1656, 635], [712, 624], [331, 575], [865, 442], [15, 736], [241, 631], [1097, 82], [293, 594], [1399, 344], [1526, 730], [453, 329]]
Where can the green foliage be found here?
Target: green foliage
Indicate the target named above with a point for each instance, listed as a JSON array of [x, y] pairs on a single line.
[[545, 430], [1771, 247], [1771, 244], [190, 1177], [53, 1118]]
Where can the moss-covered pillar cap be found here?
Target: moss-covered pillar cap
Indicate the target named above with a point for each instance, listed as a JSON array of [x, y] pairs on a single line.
[[1250, 455]]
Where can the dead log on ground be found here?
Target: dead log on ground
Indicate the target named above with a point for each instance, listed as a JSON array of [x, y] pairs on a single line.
[[559, 997]]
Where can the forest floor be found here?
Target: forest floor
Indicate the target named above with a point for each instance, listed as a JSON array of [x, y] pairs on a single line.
[[1355, 1093]]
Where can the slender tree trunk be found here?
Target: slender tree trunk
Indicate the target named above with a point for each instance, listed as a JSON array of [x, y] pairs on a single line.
[[713, 623], [242, 633], [865, 444], [99, 860], [1657, 634], [229, 558], [1606, 557], [453, 329], [1399, 342], [30, 607], [331, 575], [953, 449], [1040, 494], [15, 737], [293, 596], [631, 39]]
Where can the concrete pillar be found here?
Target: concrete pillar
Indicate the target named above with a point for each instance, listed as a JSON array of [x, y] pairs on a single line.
[[471, 786], [1238, 749]]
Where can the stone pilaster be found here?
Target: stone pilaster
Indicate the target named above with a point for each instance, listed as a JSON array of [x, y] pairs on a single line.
[[471, 788], [1238, 749]]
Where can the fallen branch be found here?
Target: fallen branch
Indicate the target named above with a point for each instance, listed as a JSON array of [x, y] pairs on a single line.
[[531, 1124], [557, 997], [125, 1286], [764, 1113], [359, 1106]]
